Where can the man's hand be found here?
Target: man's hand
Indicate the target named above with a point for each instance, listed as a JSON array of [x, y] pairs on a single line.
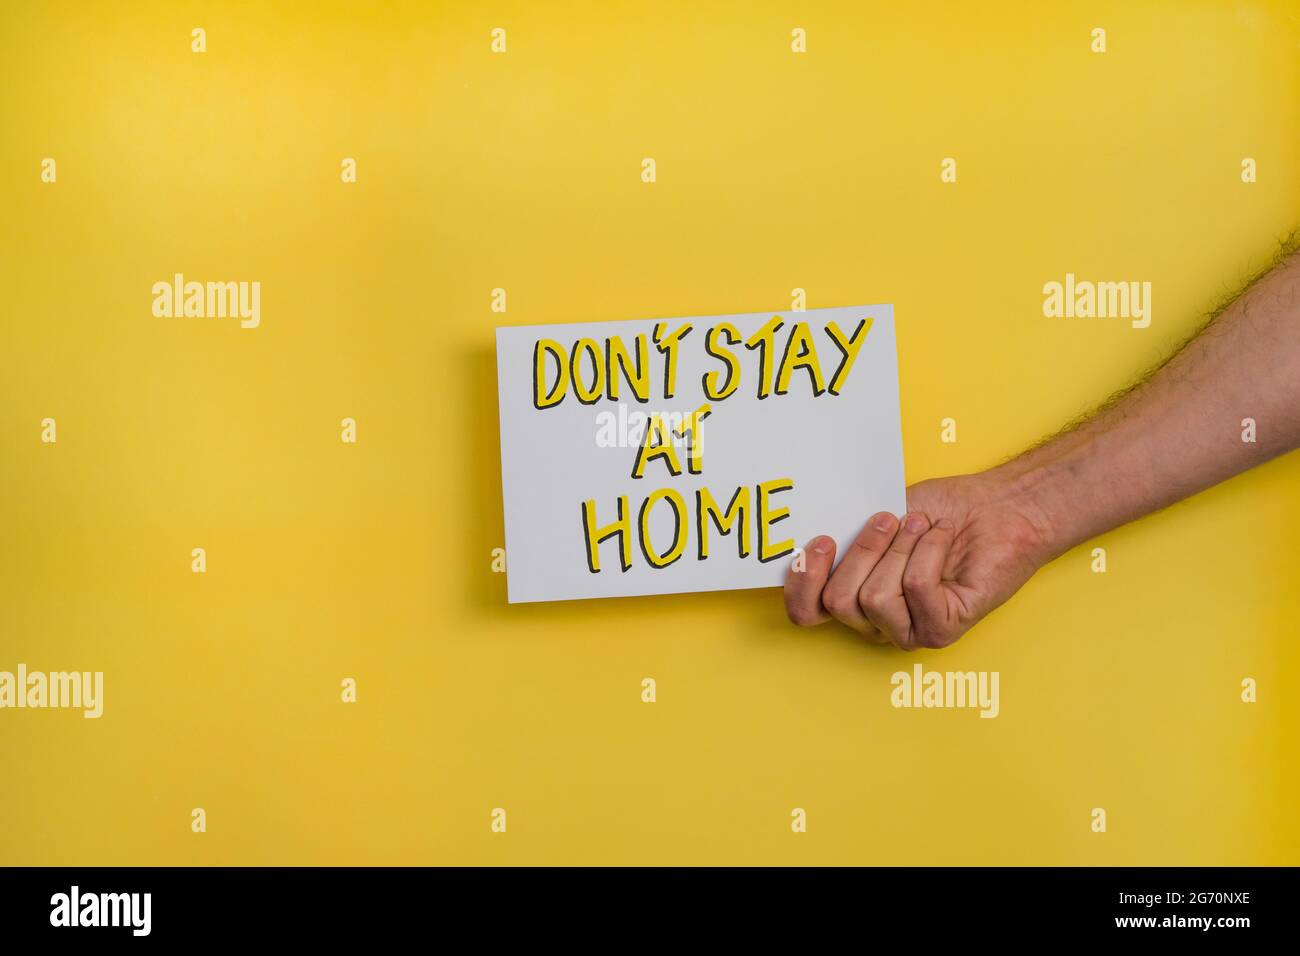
[[966, 545]]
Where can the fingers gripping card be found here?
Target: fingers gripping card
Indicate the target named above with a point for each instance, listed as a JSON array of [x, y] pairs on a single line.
[[694, 454]]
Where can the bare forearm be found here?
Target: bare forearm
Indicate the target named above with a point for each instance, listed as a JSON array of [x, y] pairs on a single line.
[[969, 542], [1180, 431]]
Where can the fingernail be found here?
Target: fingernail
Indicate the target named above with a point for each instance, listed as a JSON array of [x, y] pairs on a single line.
[[883, 522], [915, 523], [821, 545]]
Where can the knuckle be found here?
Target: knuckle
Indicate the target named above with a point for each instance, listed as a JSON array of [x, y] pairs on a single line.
[[839, 601], [871, 598], [913, 582]]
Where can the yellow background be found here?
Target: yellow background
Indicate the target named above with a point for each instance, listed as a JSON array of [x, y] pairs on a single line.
[[522, 171]]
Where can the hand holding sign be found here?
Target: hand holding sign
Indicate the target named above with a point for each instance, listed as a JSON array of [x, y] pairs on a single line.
[[966, 545], [608, 487]]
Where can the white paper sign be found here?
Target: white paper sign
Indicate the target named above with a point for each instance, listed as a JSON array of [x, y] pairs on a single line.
[[694, 454]]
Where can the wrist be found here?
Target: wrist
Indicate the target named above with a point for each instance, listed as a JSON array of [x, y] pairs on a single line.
[[1045, 493]]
